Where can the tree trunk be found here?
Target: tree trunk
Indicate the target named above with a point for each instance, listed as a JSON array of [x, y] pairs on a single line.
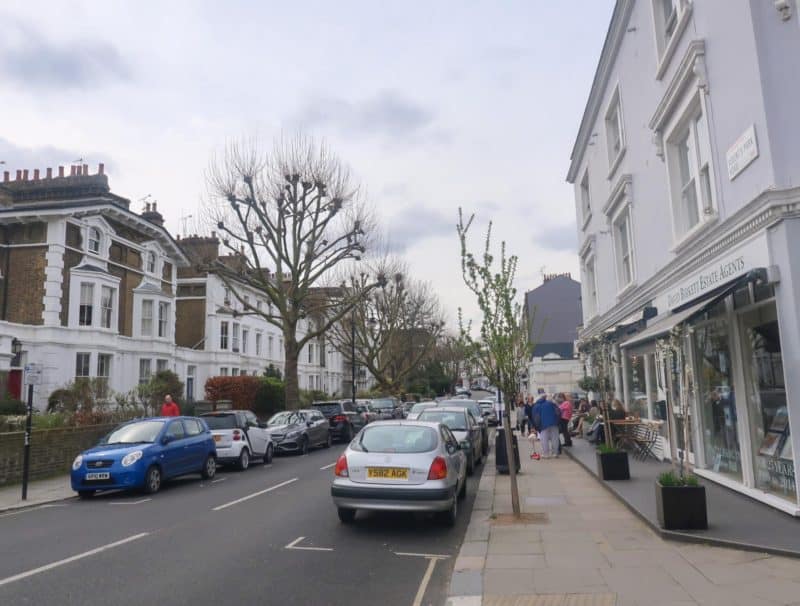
[[291, 352], [512, 462]]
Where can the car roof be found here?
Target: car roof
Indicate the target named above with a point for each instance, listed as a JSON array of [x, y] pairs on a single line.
[[459, 403], [404, 422], [318, 402], [460, 409]]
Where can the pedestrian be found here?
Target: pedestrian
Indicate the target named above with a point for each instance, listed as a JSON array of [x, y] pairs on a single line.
[[520, 414], [526, 415], [566, 415], [544, 418], [170, 408]]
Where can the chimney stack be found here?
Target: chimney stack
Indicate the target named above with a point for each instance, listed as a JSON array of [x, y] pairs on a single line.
[[19, 175], [49, 173], [60, 171], [85, 169], [101, 169], [6, 176], [35, 174], [25, 175]]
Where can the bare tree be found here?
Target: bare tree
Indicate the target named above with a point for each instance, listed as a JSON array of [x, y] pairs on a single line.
[[393, 329], [292, 217]]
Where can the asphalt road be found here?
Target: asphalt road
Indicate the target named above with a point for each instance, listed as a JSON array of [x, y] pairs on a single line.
[[234, 539]]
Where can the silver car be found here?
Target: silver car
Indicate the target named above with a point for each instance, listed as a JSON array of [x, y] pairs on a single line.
[[465, 429], [417, 409], [401, 466]]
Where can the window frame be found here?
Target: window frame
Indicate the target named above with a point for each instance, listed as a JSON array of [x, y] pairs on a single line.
[[145, 370], [585, 199], [86, 310], [224, 335], [94, 235], [147, 304], [104, 371], [245, 339], [235, 332], [667, 42], [164, 310], [107, 311], [590, 281], [86, 357], [259, 338], [623, 215], [614, 117]]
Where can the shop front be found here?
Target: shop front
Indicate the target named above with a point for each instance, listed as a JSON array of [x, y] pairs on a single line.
[[732, 348]]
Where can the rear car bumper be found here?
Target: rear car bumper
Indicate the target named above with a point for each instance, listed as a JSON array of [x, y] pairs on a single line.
[[340, 431], [229, 455], [391, 498]]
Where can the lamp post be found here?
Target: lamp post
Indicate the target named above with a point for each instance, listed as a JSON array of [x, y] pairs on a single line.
[[353, 357]]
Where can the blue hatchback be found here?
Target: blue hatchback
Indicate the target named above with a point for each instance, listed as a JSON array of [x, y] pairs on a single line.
[[144, 453]]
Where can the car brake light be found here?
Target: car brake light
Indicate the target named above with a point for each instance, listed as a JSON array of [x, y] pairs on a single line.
[[236, 435], [341, 467], [340, 418], [438, 469]]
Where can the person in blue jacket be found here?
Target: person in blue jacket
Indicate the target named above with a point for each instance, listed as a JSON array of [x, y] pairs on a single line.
[[544, 418]]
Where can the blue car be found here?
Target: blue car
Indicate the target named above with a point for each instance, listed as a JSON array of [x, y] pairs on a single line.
[[144, 453]]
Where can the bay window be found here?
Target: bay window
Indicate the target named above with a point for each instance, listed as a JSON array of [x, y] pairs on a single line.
[[107, 295], [223, 335], [163, 319], [86, 305], [147, 318]]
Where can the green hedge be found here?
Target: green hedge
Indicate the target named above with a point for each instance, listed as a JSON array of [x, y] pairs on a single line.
[[12, 407]]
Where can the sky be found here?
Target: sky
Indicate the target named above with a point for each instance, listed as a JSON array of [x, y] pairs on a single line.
[[433, 106]]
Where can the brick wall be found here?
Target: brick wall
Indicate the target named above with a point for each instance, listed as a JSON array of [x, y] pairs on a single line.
[[52, 450], [25, 282], [190, 322]]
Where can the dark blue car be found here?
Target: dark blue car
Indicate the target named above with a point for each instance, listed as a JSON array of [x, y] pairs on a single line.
[[144, 453]]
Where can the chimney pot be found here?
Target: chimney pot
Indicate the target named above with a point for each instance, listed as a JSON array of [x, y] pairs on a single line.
[[72, 170], [19, 175], [147, 207], [6, 176], [60, 171], [25, 175], [85, 169], [101, 169], [49, 173], [154, 207], [213, 234], [36, 174]]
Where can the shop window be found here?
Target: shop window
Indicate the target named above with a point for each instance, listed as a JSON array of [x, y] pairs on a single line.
[[717, 399], [637, 390], [766, 399]]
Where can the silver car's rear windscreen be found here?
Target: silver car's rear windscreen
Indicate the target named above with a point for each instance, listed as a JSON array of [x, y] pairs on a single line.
[[404, 439]]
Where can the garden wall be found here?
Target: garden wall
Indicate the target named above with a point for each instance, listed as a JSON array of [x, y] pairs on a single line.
[[52, 450]]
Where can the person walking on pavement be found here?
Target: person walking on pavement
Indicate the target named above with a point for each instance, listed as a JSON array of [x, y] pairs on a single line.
[[520, 414], [544, 418], [526, 412], [563, 424], [169, 408]]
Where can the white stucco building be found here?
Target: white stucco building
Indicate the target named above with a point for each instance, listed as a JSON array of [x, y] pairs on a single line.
[[686, 170]]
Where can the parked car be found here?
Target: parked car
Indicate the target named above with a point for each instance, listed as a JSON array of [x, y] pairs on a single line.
[[463, 391], [239, 437], [464, 427], [406, 407], [345, 419], [403, 466], [488, 412], [475, 409], [145, 453], [387, 408], [415, 411], [299, 430], [365, 409]]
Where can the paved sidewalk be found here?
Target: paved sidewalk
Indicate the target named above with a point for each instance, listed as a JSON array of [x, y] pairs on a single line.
[[39, 493], [586, 548]]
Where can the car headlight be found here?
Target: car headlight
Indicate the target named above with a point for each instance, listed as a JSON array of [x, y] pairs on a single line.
[[77, 463], [131, 458]]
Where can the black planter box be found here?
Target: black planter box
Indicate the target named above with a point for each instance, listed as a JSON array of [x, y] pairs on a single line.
[[681, 507], [501, 459], [613, 465]]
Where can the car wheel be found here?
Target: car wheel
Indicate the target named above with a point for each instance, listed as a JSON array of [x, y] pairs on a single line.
[[244, 460], [346, 516], [450, 516], [209, 468], [268, 455], [85, 494], [304, 445], [462, 493], [470, 466], [329, 441], [152, 480]]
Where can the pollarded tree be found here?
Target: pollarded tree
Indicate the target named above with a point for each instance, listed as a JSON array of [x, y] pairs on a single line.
[[293, 217], [393, 329], [503, 347]]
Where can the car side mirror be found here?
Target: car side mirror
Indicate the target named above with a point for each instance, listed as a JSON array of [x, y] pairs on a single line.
[[262, 425], [309, 423], [166, 440]]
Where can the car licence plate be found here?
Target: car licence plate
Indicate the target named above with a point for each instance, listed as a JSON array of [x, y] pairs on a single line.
[[98, 475], [387, 473]]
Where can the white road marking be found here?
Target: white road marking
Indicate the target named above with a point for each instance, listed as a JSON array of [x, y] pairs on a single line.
[[254, 495], [80, 556], [29, 509], [293, 545], [218, 480], [422, 555], [139, 502], [327, 466]]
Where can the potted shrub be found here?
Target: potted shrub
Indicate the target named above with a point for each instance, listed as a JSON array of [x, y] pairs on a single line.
[[680, 502], [612, 463], [680, 499]]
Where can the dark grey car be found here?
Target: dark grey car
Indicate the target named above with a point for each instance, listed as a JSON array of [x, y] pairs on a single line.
[[475, 409], [299, 430]]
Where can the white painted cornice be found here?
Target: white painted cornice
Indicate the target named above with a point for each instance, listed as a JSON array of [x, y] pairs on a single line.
[[692, 68], [623, 190], [616, 32]]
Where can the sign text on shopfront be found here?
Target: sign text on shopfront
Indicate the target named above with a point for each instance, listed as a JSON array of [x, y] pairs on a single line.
[[706, 281]]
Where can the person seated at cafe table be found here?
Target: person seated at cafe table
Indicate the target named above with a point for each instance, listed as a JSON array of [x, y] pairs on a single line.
[[617, 413]]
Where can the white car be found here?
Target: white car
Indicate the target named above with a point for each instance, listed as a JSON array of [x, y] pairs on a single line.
[[239, 437]]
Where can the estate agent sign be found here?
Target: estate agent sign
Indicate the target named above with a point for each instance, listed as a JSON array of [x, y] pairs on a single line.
[[734, 264]]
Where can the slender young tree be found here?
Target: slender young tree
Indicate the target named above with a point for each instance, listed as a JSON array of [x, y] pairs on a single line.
[[291, 218], [393, 329], [503, 347]]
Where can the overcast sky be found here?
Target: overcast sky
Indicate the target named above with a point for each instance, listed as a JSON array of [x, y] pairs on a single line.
[[434, 105]]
